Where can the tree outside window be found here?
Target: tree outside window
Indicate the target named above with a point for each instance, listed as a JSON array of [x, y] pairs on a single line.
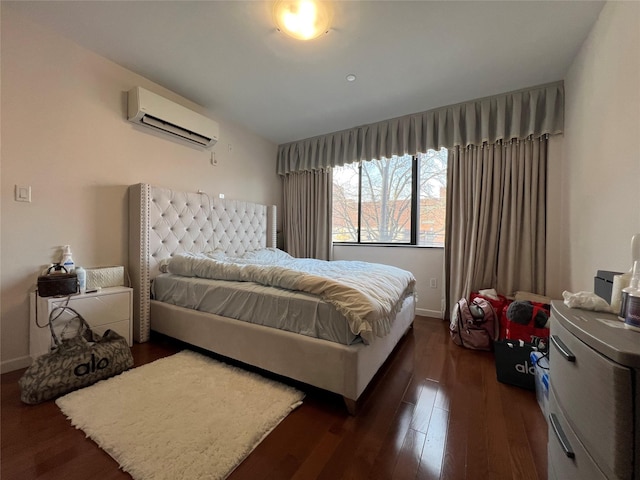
[[398, 200]]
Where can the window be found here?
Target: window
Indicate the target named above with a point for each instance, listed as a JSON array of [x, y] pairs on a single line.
[[398, 200]]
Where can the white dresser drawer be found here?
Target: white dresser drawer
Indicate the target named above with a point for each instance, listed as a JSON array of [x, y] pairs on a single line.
[[568, 458], [98, 310], [595, 393]]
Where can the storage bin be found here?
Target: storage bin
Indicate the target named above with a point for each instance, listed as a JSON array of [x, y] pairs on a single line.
[[540, 363]]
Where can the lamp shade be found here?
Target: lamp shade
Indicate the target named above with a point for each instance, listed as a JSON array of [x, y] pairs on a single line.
[[302, 19]]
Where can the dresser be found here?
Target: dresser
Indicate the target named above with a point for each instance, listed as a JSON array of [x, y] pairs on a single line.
[[108, 309], [594, 396]]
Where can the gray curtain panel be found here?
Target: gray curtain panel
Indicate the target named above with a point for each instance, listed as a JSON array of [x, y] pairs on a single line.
[[496, 218], [522, 114], [306, 216]]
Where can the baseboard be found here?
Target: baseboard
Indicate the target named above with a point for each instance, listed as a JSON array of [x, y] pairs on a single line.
[[429, 313], [15, 364]]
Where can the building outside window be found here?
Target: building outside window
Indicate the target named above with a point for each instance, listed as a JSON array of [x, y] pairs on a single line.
[[398, 200]]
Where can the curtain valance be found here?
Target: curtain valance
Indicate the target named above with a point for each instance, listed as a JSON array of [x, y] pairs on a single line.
[[532, 112]]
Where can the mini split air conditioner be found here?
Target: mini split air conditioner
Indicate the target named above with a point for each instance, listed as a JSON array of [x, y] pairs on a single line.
[[151, 110]]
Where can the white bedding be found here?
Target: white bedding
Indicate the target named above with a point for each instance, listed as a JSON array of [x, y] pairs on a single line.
[[296, 312], [368, 294]]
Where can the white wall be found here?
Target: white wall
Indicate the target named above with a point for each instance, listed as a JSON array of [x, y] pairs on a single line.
[[601, 148], [64, 133], [424, 263]]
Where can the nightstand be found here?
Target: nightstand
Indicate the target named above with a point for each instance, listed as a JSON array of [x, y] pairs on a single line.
[[108, 309]]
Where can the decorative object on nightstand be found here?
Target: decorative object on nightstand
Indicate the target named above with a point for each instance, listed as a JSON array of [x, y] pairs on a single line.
[[57, 281], [67, 261], [81, 273], [108, 309], [103, 277]]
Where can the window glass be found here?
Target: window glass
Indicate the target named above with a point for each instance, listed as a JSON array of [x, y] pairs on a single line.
[[380, 201], [386, 200], [432, 190], [346, 198]]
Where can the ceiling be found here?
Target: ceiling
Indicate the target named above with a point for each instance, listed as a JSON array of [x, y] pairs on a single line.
[[408, 56]]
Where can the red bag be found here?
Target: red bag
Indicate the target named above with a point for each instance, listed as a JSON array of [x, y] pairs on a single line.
[[530, 333], [500, 306]]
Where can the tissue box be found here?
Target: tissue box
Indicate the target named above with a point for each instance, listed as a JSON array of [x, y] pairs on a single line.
[[541, 365], [603, 284], [104, 277]]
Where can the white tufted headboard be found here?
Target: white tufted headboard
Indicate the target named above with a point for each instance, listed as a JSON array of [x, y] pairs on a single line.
[[163, 222]]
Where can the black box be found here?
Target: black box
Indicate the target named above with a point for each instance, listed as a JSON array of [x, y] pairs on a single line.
[[513, 363], [603, 284]]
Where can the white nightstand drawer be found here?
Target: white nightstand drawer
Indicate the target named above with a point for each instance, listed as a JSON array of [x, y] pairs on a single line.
[[110, 308], [121, 328], [99, 309]]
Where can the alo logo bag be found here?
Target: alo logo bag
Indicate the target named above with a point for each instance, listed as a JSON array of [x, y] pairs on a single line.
[[75, 362], [513, 363], [474, 325]]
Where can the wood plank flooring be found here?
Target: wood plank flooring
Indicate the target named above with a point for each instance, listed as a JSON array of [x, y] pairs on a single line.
[[434, 411]]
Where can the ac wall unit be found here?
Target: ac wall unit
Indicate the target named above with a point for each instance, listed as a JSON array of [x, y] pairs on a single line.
[[151, 110]]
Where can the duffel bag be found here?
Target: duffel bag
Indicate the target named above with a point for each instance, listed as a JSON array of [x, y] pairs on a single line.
[[75, 362]]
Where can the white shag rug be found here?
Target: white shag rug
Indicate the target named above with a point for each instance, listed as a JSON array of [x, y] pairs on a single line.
[[186, 416]]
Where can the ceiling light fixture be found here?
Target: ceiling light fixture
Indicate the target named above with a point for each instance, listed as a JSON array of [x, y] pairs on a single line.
[[351, 77], [302, 19]]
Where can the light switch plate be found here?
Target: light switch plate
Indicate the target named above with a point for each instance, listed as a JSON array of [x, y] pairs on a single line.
[[23, 193]]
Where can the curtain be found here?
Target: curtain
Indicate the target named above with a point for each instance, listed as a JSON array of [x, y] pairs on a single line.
[[532, 112], [306, 214], [496, 218]]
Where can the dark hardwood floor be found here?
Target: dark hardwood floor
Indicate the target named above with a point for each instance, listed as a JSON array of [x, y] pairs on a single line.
[[434, 410]]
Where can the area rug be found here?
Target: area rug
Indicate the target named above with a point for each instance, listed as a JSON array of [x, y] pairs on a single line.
[[186, 416]]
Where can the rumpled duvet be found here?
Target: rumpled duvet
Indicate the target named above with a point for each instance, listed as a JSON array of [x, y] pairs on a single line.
[[368, 294]]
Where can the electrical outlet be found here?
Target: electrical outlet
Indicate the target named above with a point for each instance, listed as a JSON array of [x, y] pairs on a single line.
[[433, 283]]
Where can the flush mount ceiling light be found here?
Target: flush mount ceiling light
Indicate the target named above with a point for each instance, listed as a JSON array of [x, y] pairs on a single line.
[[302, 19], [351, 77]]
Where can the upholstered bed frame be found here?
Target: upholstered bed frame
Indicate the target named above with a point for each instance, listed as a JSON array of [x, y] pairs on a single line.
[[164, 222]]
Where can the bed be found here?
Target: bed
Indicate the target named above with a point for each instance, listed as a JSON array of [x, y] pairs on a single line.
[[167, 224]]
